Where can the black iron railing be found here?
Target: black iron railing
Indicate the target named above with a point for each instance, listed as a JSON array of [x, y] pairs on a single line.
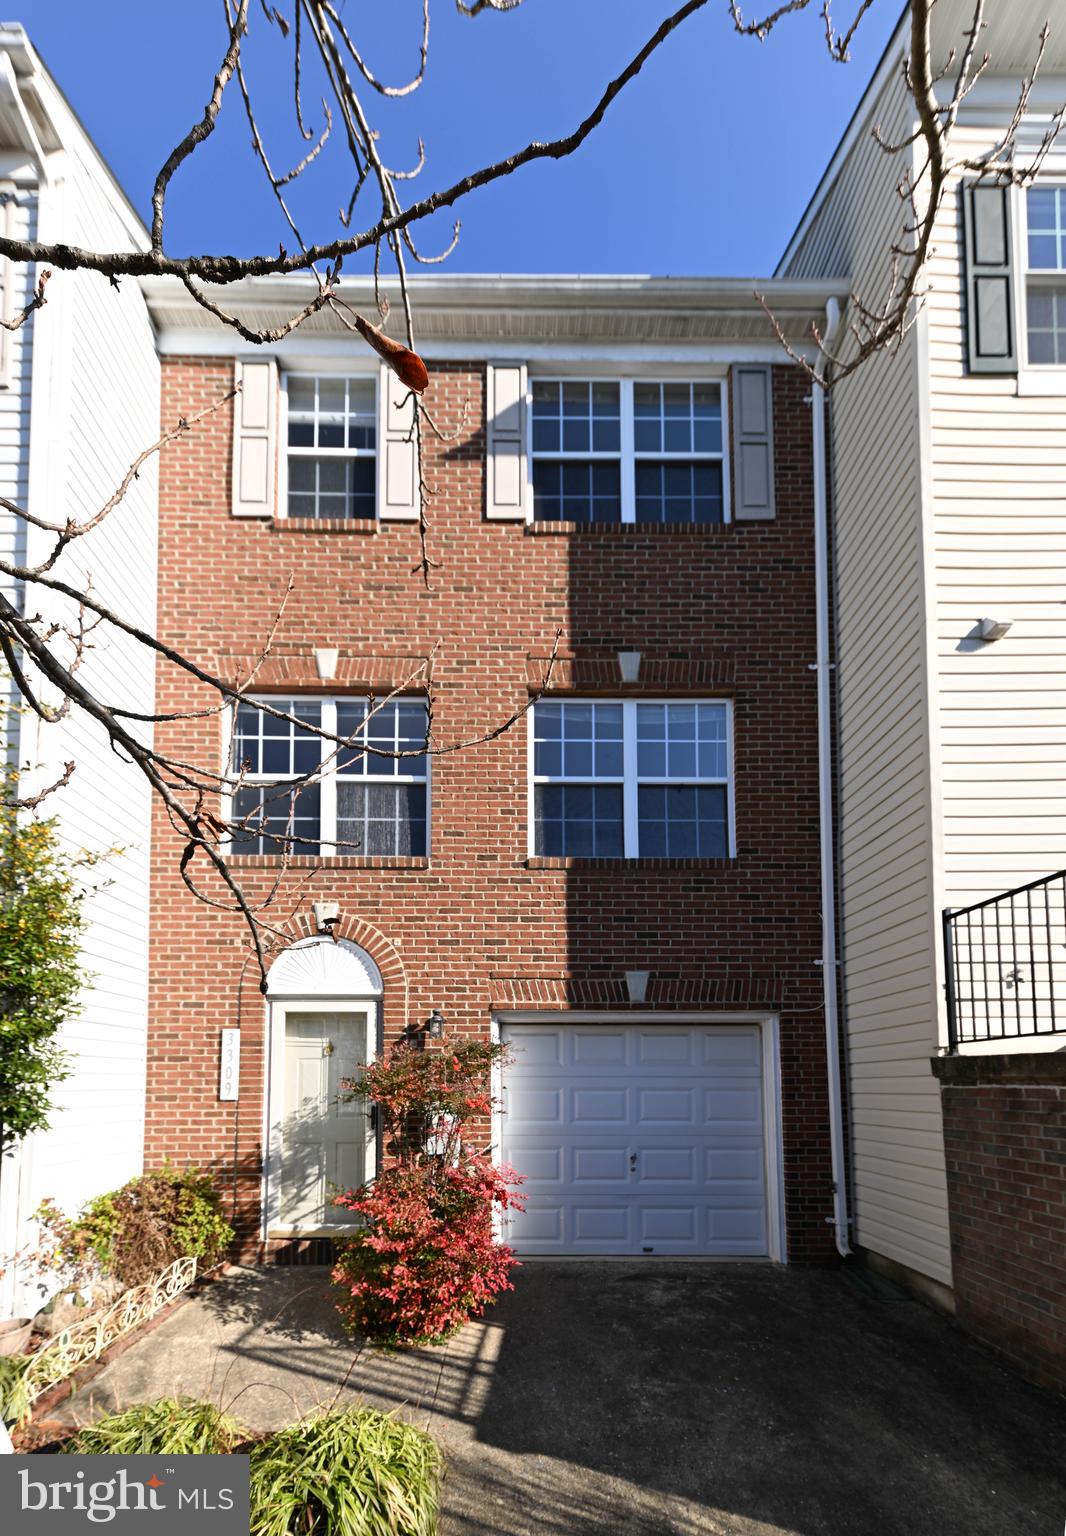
[[1005, 964]]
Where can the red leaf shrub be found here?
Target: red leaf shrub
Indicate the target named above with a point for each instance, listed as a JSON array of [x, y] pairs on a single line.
[[426, 1258]]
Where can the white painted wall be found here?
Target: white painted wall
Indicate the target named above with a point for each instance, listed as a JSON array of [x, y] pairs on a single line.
[[86, 408], [950, 504]]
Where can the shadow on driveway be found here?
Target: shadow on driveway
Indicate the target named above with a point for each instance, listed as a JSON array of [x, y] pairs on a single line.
[[630, 1399]]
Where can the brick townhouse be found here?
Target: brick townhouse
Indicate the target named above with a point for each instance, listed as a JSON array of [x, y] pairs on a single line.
[[625, 886]]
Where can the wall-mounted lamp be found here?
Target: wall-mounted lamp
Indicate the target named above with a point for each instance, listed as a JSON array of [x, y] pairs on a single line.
[[629, 665], [993, 629], [327, 915], [435, 1025], [326, 657]]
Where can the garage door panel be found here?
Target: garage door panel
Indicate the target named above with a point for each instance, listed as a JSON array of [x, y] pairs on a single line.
[[541, 1165], [726, 1048], [536, 1047], [674, 1048], [734, 1165], [728, 1105], [665, 1106], [530, 1105], [610, 1224], [599, 1106], [668, 1224], [635, 1140], [590, 1048], [672, 1165], [742, 1226]]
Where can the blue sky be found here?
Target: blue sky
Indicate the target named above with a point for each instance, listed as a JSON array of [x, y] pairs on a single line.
[[703, 165]]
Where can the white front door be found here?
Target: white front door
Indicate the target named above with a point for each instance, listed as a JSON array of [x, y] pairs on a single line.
[[636, 1138], [324, 1144]]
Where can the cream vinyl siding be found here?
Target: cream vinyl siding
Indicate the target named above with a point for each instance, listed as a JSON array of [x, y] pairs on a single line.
[[83, 402], [97, 375], [885, 825], [998, 476]]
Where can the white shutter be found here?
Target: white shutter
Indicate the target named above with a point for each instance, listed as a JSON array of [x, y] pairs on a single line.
[[8, 215], [255, 438], [506, 437], [753, 441], [397, 450]]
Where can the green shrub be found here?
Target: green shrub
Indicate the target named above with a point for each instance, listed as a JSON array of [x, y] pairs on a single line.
[[14, 1391], [138, 1230], [173, 1426], [41, 924], [350, 1473]]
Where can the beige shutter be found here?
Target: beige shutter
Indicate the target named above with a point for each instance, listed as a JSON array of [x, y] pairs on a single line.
[[753, 441], [397, 450], [8, 217], [505, 435], [255, 438]]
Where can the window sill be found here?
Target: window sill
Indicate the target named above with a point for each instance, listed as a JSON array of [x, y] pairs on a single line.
[[325, 524], [333, 861], [1042, 383], [628, 530], [642, 865]]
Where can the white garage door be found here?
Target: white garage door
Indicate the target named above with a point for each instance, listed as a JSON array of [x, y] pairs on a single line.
[[636, 1138]]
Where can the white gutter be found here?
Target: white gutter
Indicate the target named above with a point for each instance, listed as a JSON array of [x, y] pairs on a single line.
[[823, 668]]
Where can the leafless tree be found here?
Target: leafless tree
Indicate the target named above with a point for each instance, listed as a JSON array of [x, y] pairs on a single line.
[[44, 656], [879, 323]]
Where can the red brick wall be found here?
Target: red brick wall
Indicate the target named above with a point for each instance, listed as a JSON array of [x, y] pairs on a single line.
[[725, 611], [1006, 1162]]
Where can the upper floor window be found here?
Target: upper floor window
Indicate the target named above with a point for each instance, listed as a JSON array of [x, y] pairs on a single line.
[[1045, 288], [631, 780], [627, 451], [332, 432], [301, 794]]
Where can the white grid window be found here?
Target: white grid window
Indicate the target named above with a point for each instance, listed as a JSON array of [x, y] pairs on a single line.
[[360, 802], [1045, 283], [332, 434], [631, 780], [629, 451]]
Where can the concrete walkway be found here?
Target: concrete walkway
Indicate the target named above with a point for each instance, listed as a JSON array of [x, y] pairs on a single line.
[[618, 1399]]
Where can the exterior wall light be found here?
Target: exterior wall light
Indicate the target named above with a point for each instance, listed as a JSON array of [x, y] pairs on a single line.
[[993, 629], [435, 1025]]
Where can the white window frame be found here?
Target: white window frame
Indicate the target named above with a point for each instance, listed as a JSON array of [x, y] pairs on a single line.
[[630, 780], [626, 457], [327, 783], [333, 374], [1033, 378]]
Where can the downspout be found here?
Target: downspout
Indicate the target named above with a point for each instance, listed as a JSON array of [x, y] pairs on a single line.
[[823, 669]]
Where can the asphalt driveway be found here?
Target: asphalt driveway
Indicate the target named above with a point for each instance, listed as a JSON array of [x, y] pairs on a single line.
[[611, 1399]]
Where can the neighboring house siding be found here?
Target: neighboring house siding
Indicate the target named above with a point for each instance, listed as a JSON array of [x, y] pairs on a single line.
[[999, 526], [15, 401], [83, 403], [899, 1193], [102, 380]]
